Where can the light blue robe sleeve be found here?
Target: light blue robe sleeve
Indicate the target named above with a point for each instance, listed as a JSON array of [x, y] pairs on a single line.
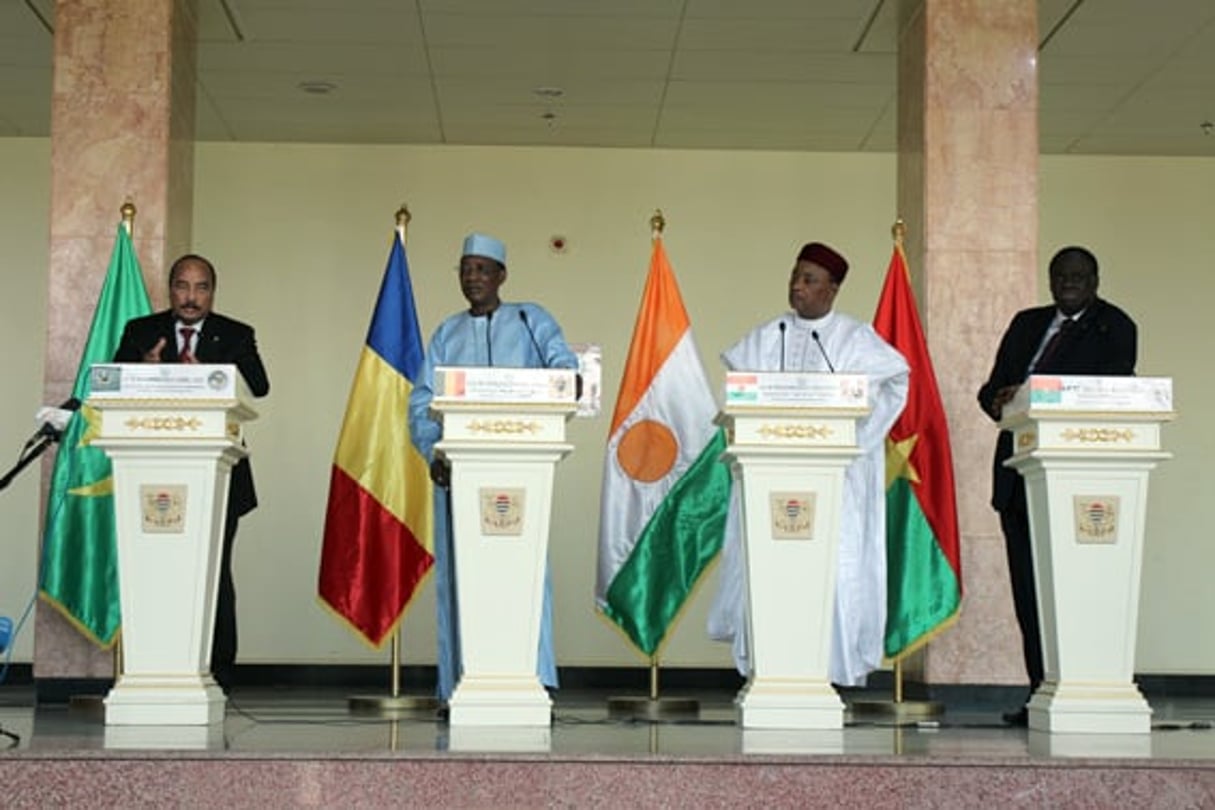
[[556, 352], [424, 430]]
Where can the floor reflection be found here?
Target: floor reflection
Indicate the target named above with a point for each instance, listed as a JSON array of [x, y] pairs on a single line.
[[312, 721]]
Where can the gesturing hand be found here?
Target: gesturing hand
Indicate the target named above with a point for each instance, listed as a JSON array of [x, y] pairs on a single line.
[[152, 355]]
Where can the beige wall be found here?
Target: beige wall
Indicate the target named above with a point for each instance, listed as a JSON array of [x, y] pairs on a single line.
[[24, 258], [300, 235]]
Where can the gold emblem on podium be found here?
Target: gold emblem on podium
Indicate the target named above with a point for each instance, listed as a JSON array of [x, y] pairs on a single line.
[[1096, 518], [163, 507], [502, 510], [792, 515]]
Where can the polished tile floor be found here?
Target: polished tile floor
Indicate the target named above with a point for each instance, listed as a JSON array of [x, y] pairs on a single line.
[[306, 722]]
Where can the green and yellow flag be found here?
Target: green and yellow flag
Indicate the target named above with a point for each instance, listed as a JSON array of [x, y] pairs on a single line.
[[923, 556], [79, 549]]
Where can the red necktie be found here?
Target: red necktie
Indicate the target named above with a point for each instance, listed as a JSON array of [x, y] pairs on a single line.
[[1052, 345], [187, 334]]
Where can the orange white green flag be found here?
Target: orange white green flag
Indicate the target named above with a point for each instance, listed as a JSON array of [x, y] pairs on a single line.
[[665, 488], [923, 556]]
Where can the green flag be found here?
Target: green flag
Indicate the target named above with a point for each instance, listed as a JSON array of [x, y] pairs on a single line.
[[79, 550]]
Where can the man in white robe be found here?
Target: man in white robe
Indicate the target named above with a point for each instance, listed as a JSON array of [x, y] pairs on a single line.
[[814, 338]]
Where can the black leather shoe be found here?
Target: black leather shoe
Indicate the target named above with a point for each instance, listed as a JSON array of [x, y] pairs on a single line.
[[1019, 718]]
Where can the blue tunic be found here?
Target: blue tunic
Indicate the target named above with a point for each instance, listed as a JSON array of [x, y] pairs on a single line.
[[467, 340]]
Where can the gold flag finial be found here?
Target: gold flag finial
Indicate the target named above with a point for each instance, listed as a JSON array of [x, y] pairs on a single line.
[[657, 223], [128, 215], [899, 231], [403, 217]]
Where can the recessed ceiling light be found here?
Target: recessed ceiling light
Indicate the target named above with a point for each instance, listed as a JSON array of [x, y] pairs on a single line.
[[317, 87], [1208, 128], [549, 92]]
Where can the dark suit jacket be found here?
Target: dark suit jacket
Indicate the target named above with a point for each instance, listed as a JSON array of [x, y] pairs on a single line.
[[1103, 342], [222, 340]]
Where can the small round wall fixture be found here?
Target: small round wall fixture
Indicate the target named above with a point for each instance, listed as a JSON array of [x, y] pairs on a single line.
[[558, 244]]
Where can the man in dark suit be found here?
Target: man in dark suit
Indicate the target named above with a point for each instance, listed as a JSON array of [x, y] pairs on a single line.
[[190, 332], [1080, 334]]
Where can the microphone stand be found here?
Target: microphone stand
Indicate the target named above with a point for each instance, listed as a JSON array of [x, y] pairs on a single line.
[[28, 456]]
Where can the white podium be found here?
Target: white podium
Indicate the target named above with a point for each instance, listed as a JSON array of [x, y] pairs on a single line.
[[791, 437], [173, 432], [503, 433], [1085, 446]]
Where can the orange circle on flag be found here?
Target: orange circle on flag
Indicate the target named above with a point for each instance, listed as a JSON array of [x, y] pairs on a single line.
[[647, 451]]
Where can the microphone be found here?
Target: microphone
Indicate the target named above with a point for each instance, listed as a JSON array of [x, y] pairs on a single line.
[[782, 345], [535, 343], [489, 343], [54, 420], [822, 351], [527, 324]]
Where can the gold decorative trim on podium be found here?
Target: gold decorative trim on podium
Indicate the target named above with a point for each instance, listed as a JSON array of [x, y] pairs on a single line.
[[501, 426], [796, 431], [1026, 439], [168, 423], [1098, 435]]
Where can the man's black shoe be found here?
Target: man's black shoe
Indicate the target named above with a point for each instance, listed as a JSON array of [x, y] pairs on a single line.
[[1019, 718]]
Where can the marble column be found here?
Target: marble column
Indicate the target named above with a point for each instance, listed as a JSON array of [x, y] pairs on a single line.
[[968, 191], [122, 128]]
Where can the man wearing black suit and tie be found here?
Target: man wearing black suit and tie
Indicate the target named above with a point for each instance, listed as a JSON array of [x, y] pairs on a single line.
[[1080, 334], [189, 332]]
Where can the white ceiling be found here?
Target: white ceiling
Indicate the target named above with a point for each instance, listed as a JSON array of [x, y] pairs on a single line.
[[1124, 77]]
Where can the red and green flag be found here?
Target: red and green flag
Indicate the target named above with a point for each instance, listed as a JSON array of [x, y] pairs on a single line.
[[80, 545], [923, 555]]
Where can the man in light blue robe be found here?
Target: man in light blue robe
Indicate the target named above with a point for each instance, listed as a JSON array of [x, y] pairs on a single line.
[[489, 333]]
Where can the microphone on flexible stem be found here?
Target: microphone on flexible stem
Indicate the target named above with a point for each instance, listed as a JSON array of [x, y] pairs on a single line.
[[54, 420], [489, 343], [527, 324], [782, 345], [822, 351]]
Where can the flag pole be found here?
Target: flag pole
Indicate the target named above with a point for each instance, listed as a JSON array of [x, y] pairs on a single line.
[[128, 221], [653, 707], [89, 704], [903, 712], [394, 703]]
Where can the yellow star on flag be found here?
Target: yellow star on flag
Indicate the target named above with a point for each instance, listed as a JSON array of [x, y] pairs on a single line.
[[92, 430], [898, 460]]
